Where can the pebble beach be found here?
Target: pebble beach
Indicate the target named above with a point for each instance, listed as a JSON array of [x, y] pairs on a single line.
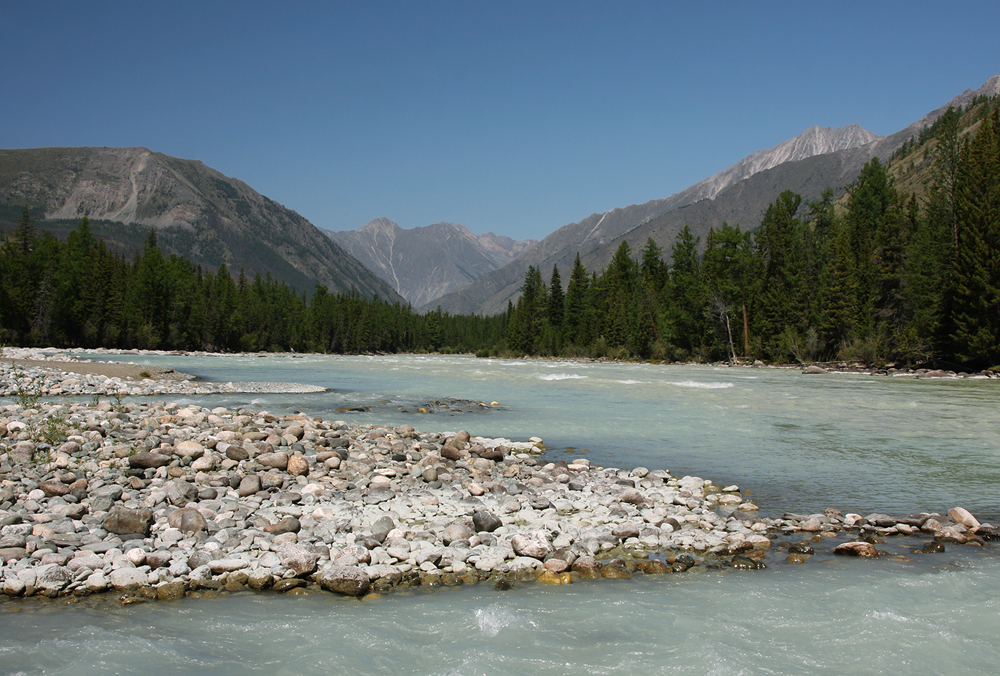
[[158, 500]]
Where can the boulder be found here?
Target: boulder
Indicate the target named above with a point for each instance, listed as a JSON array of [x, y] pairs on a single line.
[[862, 549], [298, 558], [148, 460], [121, 520], [487, 522], [349, 580]]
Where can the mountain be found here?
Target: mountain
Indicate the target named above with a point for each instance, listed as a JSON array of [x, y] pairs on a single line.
[[817, 159], [197, 212], [422, 264]]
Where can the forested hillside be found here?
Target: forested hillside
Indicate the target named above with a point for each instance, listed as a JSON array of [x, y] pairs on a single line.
[[891, 276], [80, 293]]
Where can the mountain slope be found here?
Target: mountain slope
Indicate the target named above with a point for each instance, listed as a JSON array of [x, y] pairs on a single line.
[[197, 212], [808, 164], [490, 293], [422, 264]]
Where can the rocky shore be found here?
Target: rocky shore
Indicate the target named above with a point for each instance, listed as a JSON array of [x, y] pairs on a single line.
[[161, 501]]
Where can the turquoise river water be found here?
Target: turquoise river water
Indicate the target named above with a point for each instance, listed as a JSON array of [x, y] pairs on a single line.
[[798, 443]]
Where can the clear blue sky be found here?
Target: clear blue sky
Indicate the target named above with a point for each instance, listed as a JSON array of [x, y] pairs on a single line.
[[514, 117]]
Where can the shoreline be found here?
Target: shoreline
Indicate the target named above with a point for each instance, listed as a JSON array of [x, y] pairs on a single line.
[[153, 500]]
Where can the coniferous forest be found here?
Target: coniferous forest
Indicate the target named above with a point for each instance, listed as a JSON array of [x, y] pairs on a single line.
[[880, 276]]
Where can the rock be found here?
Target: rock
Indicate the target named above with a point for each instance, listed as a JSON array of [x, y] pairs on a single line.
[[206, 463], [187, 520], [228, 565], [632, 496], [349, 580], [814, 369], [588, 567], [615, 568], [248, 485], [653, 567], [298, 558], [96, 582], [170, 591], [451, 453], [533, 546], [288, 524], [148, 460], [298, 465], [189, 449], [744, 563], [862, 549], [122, 520], [962, 516], [486, 522], [236, 453], [13, 553], [180, 492], [52, 579], [259, 580], [124, 579], [275, 460], [932, 548], [811, 525], [53, 488], [456, 531]]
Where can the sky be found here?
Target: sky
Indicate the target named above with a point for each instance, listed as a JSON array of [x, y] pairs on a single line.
[[512, 117]]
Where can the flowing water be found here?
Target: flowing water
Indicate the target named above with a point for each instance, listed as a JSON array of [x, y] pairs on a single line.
[[798, 443]]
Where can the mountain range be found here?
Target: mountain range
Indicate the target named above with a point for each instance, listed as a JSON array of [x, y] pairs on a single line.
[[197, 212], [817, 159], [423, 264]]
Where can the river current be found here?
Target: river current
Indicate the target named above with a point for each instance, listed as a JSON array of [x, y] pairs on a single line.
[[798, 443]]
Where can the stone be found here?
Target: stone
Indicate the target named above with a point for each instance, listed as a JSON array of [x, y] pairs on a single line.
[[298, 465], [122, 520], [190, 449], [187, 520], [248, 485], [533, 546], [236, 453], [862, 549], [53, 488], [487, 522], [180, 492], [964, 517], [632, 496], [288, 524], [170, 591], [124, 579], [148, 460], [274, 460], [456, 531], [298, 558], [228, 565], [348, 580], [587, 567], [53, 579], [653, 567], [259, 580], [615, 568], [206, 463]]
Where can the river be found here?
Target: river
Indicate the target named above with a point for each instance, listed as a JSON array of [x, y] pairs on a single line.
[[798, 443]]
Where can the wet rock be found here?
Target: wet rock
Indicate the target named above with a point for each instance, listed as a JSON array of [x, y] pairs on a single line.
[[653, 567], [932, 548], [745, 563], [862, 549], [348, 580], [615, 568], [964, 517]]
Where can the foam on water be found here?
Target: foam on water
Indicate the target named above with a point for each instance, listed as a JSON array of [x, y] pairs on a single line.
[[694, 383], [562, 376]]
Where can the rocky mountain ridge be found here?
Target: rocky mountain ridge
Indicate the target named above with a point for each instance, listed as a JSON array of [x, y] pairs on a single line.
[[197, 212], [424, 263], [807, 164]]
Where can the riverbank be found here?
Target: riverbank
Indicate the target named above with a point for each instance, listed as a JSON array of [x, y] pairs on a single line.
[[157, 500]]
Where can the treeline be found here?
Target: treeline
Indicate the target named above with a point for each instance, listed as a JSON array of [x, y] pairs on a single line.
[[81, 293], [890, 279]]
